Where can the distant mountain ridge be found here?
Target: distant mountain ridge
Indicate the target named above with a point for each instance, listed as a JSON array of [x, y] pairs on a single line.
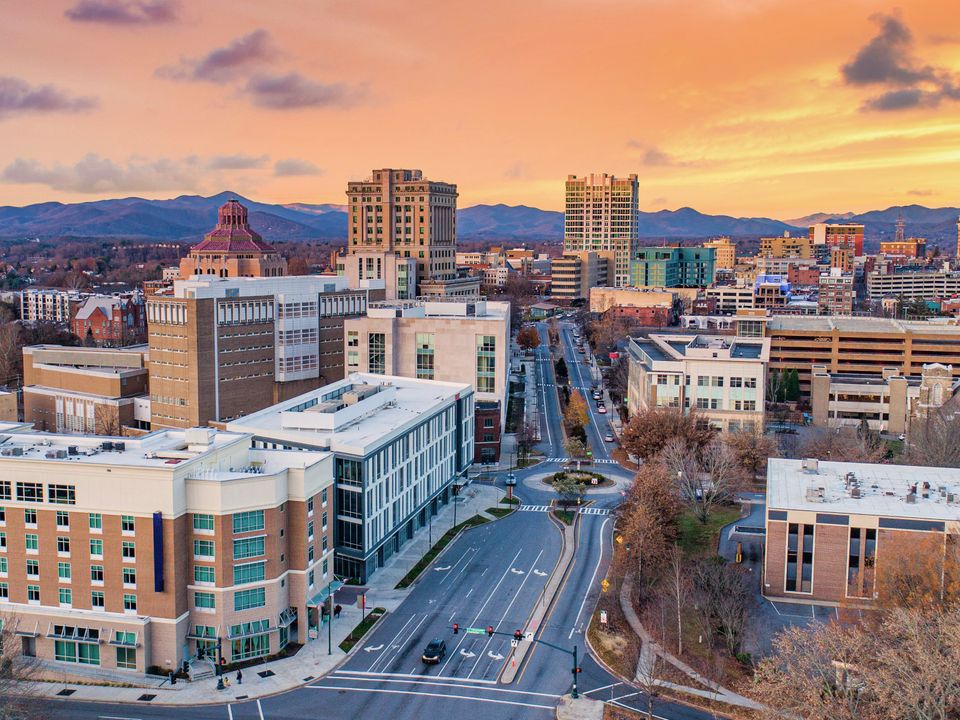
[[188, 217]]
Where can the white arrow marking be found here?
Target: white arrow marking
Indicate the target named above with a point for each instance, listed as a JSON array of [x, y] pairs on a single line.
[[441, 569], [467, 654], [371, 648], [516, 572], [494, 657], [537, 572]]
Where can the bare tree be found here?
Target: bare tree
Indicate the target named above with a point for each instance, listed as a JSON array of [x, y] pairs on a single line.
[[17, 697], [106, 421], [679, 585], [752, 449], [706, 479], [934, 441], [648, 432], [842, 445]]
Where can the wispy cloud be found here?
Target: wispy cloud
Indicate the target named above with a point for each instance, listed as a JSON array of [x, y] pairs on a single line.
[[293, 167], [921, 193], [653, 156], [18, 97], [96, 174], [237, 162], [294, 91], [235, 60], [125, 12]]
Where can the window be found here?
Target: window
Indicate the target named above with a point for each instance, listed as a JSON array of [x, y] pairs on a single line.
[[736, 382], [309, 507], [861, 560], [63, 545], [703, 403], [750, 382], [323, 497], [63, 520], [76, 652], [33, 568], [425, 366], [126, 523], [799, 570], [5, 490], [96, 522], [129, 603], [3, 565], [248, 547], [377, 357], [3, 516], [204, 574], [96, 574], [62, 494], [486, 363], [249, 647], [32, 542], [323, 520], [323, 543], [249, 573], [247, 599], [205, 600], [66, 596], [203, 548], [702, 380], [33, 594], [4, 592], [126, 658], [203, 522], [129, 576], [247, 521], [310, 553], [30, 517], [96, 548], [128, 550], [3, 541], [63, 571], [310, 578], [718, 381], [30, 492], [310, 530], [96, 599]]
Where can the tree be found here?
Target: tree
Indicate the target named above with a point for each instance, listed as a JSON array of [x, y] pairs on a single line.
[[777, 386], [706, 478], [16, 672], [527, 437], [106, 420], [934, 440], [648, 432], [298, 266], [577, 413], [679, 588], [752, 450], [792, 389], [722, 599], [842, 445], [528, 338], [648, 522], [919, 572], [560, 369], [575, 447], [567, 488]]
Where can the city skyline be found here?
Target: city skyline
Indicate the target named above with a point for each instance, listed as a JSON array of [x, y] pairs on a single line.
[[112, 98]]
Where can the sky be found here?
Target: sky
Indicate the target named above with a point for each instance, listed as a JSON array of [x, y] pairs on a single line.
[[774, 108]]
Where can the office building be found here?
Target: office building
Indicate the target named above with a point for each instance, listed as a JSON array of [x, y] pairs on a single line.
[[836, 293], [911, 285], [848, 235], [730, 298], [800, 248], [575, 273], [225, 347], [673, 267], [841, 258], [402, 212], [385, 275], [431, 341], [233, 249], [889, 403], [48, 305], [126, 555], [94, 391], [110, 321], [647, 306], [832, 528], [722, 377], [908, 248], [399, 446], [601, 216], [725, 252], [771, 291]]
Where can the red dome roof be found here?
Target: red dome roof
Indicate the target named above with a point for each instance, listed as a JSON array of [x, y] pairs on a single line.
[[233, 233]]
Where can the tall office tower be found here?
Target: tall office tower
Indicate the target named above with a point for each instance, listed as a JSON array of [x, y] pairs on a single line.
[[958, 237], [401, 212], [827, 235], [601, 215]]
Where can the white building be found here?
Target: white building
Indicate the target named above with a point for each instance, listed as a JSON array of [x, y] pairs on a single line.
[[399, 446], [47, 305]]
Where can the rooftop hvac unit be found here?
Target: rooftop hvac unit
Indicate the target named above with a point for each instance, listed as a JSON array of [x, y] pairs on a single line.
[[951, 498], [119, 446], [106, 445], [51, 454], [12, 452], [855, 492], [72, 450], [810, 465], [911, 499]]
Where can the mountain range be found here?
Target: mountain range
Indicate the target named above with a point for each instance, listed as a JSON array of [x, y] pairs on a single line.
[[188, 217]]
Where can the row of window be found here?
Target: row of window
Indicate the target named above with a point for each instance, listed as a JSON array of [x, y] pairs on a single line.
[[33, 492]]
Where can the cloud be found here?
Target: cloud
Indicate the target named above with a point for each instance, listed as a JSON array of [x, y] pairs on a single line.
[[19, 97], [888, 60], [125, 12], [517, 171], [222, 65], [293, 167], [237, 162], [654, 156], [921, 193], [96, 174], [293, 91]]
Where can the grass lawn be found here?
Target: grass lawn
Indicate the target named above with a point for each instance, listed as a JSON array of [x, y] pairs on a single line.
[[356, 635], [564, 516], [499, 512], [509, 501], [697, 538], [415, 571]]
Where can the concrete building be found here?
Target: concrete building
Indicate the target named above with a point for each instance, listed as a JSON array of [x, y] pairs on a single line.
[[838, 235], [86, 390], [399, 447], [908, 248], [649, 306], [836, 293], [601, 216], [673, 267], [575, 273], [432, 341], [233, 249], [800, 248], [832, 527], [221, 348], [888, 403], [402, 212], [730, 298], [725, 252], [129, 554], [386, 275], [722, 377], [9, 410], [912, 284], [110, 321], [48, 305]]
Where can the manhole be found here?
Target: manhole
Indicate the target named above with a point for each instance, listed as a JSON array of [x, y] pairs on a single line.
[[146, 697], [66, 692], [266, 673]]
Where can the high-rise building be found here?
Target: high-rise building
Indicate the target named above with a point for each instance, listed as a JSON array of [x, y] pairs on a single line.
[[725, 252], [233, 249], [838, 234], [401, 212], [673, 267], [601, 215], [836, 293], [221, 348]]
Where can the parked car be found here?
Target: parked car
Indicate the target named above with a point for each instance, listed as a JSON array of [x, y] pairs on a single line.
[[597, 395], [608, 437], [511, 480], [602, 409], [434, 652]]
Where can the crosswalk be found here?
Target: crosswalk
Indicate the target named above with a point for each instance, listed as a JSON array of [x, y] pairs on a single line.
[[594, 511], [533, 508], [601, 461], [548, 508]]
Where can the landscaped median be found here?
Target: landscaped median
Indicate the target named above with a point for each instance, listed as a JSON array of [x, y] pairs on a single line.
[[356, 635], [411, 577]]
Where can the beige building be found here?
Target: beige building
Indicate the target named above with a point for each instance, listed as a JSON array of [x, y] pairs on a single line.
[[725, 253], [836, 293], [387, 275], [574, 273], [129, 554], [787, 246], [722, 377], [49, 304], [601, 215], [8, 406], [86, 390], [221, 348]]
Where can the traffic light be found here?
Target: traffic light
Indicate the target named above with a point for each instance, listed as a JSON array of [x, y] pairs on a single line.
[[517, 635], [490, 630], [577, 670], [456, 628]]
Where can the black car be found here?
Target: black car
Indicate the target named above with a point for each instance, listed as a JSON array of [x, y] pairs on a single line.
[[434, 652]]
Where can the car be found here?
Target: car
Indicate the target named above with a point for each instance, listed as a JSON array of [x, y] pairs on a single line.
[[597, 395], [434, 652], [608, 437], [581, 350], [602, 409], [511, 480]]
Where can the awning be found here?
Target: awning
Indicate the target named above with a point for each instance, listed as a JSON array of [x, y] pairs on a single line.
[[321, 597], [287, 618]]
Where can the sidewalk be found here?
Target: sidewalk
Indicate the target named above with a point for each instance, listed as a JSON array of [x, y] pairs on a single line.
[[311, 662]]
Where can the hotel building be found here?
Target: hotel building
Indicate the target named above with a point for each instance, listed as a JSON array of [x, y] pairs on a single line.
[[848, 235]]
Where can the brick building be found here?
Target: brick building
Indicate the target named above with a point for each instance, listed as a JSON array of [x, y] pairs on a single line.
[[110, 321]]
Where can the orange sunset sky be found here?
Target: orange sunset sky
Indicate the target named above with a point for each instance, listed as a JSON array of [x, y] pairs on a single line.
[[744, 107]]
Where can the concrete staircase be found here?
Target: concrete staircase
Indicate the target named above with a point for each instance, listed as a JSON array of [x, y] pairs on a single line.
[[201, 670]]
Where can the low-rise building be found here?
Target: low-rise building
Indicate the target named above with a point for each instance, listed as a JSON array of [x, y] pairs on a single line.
[[786, 246], [399, 445], [110, 321], [909, 248], [673, 267], [48, 305], [575, 273], [9, 411], [833, 528], [386, 275], [722, 377], [836, 293], [133, 554], [649, 306]]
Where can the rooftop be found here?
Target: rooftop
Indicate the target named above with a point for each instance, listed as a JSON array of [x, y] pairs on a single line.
[[864, 489], [700, 347], [233, 233], [217, 287], [452, 307], [824, 323]]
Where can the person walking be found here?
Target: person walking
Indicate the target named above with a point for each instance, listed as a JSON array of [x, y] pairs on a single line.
[[239, 677], [336, 612]]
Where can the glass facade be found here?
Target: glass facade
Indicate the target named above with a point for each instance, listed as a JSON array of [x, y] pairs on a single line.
[[486, 363]]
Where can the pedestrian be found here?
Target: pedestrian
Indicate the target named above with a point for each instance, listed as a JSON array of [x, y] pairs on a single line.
[[336, 612], [239, 677], [226, 681]]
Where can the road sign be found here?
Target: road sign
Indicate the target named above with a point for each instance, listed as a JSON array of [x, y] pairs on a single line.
[[476, 631], [528, 637], [514, 643], [619, 539], [604, 585], [603, 617]]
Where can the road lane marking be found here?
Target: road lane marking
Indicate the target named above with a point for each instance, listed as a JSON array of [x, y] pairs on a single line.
[[603, 687], [229, 712], [633, 709], [394, 639], [259, 709], [592, 579], [399, 648], [364, 673], [419, 681], [442, 695], [462, 557]]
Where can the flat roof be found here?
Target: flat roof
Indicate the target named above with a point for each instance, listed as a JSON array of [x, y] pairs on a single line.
[[883, 489], [859, 324]]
